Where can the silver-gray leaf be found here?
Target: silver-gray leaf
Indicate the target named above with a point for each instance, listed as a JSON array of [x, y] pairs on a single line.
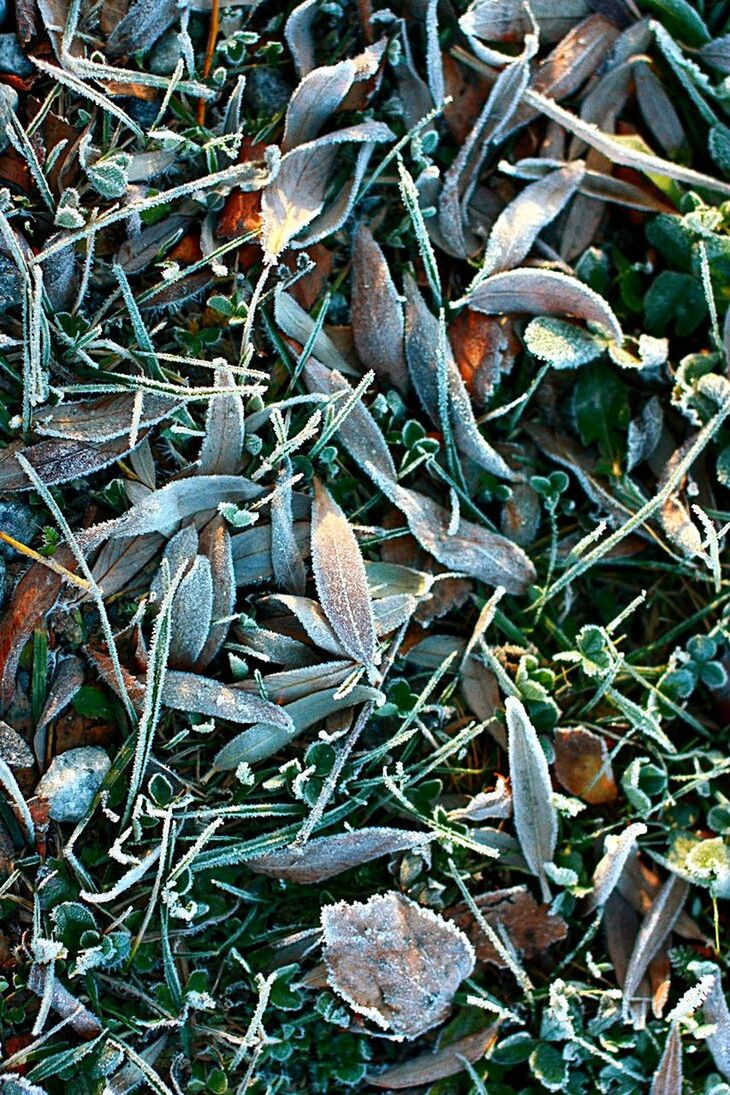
[[536, 820]]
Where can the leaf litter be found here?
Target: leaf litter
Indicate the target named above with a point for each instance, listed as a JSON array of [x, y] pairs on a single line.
[[364, 480]]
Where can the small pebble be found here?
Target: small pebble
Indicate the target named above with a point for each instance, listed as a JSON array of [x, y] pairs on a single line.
[[12, 58], [165, 55], [72, 780], [266, 91], [16, 518]]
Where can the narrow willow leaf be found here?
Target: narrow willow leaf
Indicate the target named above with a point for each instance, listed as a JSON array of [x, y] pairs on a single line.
[[298, 31], [668, 1076], [658, 110], [339, 574], [191, 692], [312, 618], [292, 319], [377, 312], [536, 820], [653, 933], [251, 551], [215, 543], [422, 340], [327, 856], [438, 1064], [59, 460], [517, 228], [315, 99], [296, 195], [286, 558], [608, 871], [102, 419], [191, 614], [162, 509], [266, 739], [715, 1011], [543, 292], [222, 447], [470, 550], [144, 23], [619, 152]]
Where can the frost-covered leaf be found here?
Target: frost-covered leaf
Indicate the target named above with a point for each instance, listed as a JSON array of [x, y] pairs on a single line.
[[543, 292], [222, 447], [339, 573], [395, 962], [438, 1064], [377, 312], [563, 345], [668, 1077], [618, 849], [655, 929], [295, 197], [519, 225], [191, 614], [327, 856], [535, 816]]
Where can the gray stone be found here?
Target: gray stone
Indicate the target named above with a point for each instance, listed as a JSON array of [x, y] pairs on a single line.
[[16, 518], [266, 91], [8, 103], [166, 54], [12, 58], [72, 780]]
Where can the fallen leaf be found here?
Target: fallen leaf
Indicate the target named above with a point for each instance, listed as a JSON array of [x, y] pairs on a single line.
[[582, 766], [531, 928], [327, 856], [438, 1064], [394, 962]]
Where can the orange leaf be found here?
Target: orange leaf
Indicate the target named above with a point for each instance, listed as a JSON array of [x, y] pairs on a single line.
[[582, 766]]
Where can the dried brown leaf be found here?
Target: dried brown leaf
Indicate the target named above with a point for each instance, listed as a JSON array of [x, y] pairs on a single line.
[[582, 766], [394, 962], [439, 1064]]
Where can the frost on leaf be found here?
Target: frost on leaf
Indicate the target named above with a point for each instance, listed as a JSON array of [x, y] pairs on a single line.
[[395, 962]]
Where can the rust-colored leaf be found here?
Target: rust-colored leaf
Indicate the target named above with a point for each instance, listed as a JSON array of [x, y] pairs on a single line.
[[531, 928], [582, 766]]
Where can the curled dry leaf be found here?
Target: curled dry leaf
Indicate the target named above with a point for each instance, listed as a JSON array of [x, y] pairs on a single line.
[[530, 928], [484, 348], [394, 962], [34, 596], [536, 819], [439, 1064], [339, 573], [215, 543], [327, 856], [582, 766]]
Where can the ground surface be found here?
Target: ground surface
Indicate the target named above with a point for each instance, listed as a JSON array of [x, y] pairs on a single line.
[[363, 656]]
